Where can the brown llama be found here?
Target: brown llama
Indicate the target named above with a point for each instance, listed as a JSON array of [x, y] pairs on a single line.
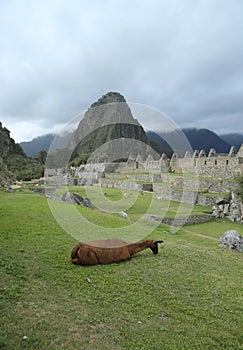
[[109, 251]]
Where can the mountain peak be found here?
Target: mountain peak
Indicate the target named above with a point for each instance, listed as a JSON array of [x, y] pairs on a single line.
[[109, 97], [7, 144], [110, 109], [108, 119]]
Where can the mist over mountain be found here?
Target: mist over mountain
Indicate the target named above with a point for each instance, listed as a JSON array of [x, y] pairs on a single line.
[[157, 139], [43, 143], [233, 139], [206, 139], [38, 143], [197, 138]]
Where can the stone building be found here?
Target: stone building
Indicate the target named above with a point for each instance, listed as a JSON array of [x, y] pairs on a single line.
[[225, 166]]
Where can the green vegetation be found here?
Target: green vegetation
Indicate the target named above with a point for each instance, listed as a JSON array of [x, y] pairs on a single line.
[[189, 296], [141, 204], [79, 159], [24, 168], [15, 165]]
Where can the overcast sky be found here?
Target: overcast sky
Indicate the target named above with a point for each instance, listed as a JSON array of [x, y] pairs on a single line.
[[182, 57]]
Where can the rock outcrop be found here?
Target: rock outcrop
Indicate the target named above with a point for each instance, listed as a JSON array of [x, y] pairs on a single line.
[[231, 209], [7, 144], [232, 240], [76, 199], [8, 149]]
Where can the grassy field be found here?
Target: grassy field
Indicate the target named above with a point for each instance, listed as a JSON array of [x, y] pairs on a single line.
[[189, 296], [140, 207]]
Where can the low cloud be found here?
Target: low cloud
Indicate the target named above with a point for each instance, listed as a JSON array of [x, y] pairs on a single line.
[[180, 57]]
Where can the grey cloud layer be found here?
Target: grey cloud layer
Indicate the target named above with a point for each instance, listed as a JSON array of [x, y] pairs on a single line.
[[181, 57]]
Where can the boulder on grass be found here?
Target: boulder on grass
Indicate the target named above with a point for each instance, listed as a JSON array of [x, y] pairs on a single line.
[[232, 240], [76, 199], [124, 215]]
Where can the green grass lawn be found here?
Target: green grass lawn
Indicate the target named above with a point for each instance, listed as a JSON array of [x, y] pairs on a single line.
[[138, 204], [189, 296]]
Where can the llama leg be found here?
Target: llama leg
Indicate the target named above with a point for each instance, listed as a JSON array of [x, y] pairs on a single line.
[[76, 261]]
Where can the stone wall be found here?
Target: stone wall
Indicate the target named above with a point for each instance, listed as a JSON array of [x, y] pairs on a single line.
[[187, 182], [119, 184], [163, 192], [89, 178], [177, 195], [91, 173], [207, 200], [206, 185], [185, 196], [190, 220], [97, 167], [219, 167], [167, 186]]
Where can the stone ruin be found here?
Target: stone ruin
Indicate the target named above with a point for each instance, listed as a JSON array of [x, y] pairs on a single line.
[[213, 165], [210, 177]]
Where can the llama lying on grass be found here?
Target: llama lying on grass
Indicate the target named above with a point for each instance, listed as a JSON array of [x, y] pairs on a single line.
[[109, 251]]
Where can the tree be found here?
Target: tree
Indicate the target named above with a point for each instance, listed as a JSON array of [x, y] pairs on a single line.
[[40, 157]]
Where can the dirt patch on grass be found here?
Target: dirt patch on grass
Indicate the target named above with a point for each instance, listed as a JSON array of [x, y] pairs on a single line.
[[201, 235]]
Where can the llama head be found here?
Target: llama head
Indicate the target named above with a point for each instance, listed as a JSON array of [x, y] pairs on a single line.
[[154, 246]]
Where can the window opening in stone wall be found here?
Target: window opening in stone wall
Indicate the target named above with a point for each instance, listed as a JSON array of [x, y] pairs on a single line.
[[215, 162]]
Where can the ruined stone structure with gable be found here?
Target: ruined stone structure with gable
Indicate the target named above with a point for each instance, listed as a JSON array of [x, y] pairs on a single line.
[[197, 178], [213, 165]]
